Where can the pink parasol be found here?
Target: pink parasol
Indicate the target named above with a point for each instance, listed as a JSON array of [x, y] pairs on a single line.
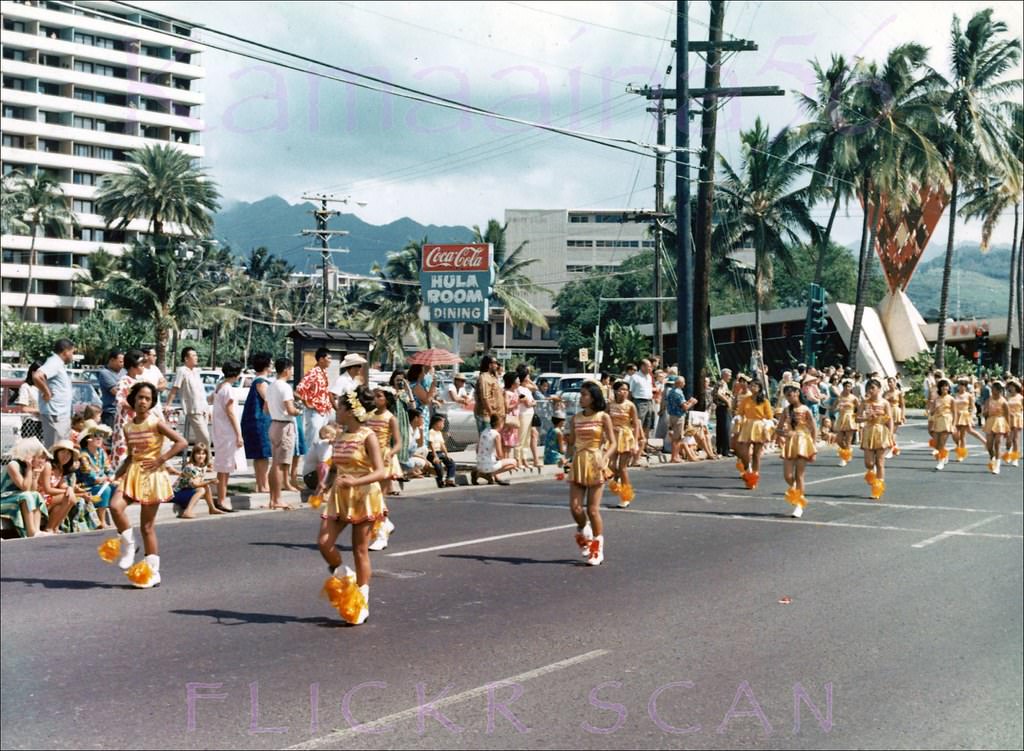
[[434, 357]]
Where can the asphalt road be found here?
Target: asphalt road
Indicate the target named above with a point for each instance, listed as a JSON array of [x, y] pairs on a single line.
[[907, 613]]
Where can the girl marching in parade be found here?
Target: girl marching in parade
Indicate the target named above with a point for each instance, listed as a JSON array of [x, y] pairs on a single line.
[[894, 395], [846, 422], [757, 421], [384, 424], [1015, 402], [143, 480], [876, 436], [352, 496], [940, 411], [964, 412], [628, 431], [796, 423], [997, 425], [591, 445]]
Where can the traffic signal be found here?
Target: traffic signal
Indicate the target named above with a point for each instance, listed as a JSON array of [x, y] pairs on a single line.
[[819, 315], [980, 342]]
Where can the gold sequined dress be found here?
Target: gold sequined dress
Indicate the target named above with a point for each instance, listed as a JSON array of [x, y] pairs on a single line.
[[799, 439], [963, 410], [876, 434], [624, 421], [846, 419], [756, 425], [942, 414], [380, 424], [997, 417], [1016, 404], [362, 503], [145, 486], [589, 462]]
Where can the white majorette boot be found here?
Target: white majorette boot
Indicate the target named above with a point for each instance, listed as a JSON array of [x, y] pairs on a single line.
[[999, 461], [596, 557], [127, 556], [380, 542], [364, 612], [798, 511], [583, 539], [153, 561]]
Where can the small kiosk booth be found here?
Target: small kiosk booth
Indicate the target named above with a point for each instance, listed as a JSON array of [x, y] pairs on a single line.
[[306, 340]]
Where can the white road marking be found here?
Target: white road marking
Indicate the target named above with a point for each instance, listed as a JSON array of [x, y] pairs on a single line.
[[406, 714], [877, 504], [478, 541], [963, 531]]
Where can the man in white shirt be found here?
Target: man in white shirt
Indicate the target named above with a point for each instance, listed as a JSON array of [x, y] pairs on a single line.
[[641, 391], [458, 393], [54, 386], [280, 405], [193, 398], [351, 368], [152, 374]]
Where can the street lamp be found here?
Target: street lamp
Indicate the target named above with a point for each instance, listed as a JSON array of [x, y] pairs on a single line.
[[324, 235]]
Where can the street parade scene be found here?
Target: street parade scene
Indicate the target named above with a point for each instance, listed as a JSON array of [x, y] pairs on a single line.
[[739, 468]]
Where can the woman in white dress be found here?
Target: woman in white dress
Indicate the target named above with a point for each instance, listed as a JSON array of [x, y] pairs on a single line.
[[228, 446]]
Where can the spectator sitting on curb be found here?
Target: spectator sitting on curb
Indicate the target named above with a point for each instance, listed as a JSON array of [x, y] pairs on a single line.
[[437, 455], [490, 456]]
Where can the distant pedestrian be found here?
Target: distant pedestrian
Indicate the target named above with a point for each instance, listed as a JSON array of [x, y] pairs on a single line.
[[194, 403], [107, 378], [489, 397], [256, 421], [54, 385], [315, 394], [228, 446], [722, 398], [280, 406]]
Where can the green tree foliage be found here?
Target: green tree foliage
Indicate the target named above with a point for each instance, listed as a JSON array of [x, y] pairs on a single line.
[[839, 277]]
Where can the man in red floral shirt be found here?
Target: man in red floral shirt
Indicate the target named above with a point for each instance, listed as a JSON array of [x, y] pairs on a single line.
[[314, 392]]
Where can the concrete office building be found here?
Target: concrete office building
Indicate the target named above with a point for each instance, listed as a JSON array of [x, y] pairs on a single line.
[[81, 90]]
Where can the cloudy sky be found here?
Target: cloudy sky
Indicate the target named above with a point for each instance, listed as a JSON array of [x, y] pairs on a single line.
[[270, 130]]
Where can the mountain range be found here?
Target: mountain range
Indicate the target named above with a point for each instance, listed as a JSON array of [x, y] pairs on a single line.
[[276, 224]]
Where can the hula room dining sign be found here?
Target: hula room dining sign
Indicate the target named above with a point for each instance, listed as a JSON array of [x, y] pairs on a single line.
[[457, 282]]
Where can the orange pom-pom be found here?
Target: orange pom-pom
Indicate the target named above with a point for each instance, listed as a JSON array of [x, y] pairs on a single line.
[[877, 489], [110, 549], [1008, 456], [931, 443], [559, 476], [961, 452], [626, 493], [943, 454], [344, 595], [870, 477], [751, 479], [793, 495], [315, 501], [740, 466], [895, 450], [992, 466], [613, 485], [140, 573]]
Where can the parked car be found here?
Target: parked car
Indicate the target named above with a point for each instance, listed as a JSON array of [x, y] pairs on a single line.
[[572, 382], [13, 415]]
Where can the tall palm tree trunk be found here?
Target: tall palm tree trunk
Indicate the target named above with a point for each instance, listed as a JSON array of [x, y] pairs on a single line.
[[819, 271], [858, 310], [31, 265], [1015, 282], [947, 272]]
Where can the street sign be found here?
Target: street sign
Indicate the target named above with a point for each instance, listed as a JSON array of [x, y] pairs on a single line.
[[584, 354], [504, 354], [457, 282]]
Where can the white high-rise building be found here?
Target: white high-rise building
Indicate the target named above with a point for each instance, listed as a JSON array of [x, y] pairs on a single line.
[[81, 90]]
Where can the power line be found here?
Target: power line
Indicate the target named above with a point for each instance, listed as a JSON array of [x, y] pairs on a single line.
[[404, 92], [588, 23]]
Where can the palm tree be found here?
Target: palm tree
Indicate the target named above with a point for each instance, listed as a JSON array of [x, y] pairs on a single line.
[[991, 197], [758, 204], [263, 265], [169, 288], [979, 59], [396, 314], [36, 203], [895, 114], [161, 185], [830, 145], [512, 285]]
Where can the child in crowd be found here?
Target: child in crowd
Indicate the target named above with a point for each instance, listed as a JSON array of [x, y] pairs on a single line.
[[92, 412], [77, 423], [535, 425], [437, 455], [417, 444], [59, 496], [192, 484], [490, 456], [94, 472], [554, 441], [826, 435], [322, 450]]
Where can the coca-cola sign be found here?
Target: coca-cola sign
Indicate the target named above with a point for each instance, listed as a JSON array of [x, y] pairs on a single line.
[[455, 258]]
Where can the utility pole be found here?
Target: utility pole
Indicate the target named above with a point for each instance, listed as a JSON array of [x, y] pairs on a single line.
[[684, 258], [705, 197], [659, 208], [692, 354], [322, 215]]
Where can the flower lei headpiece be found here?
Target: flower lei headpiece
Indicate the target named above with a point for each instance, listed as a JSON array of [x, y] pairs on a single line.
[[358, 410]]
